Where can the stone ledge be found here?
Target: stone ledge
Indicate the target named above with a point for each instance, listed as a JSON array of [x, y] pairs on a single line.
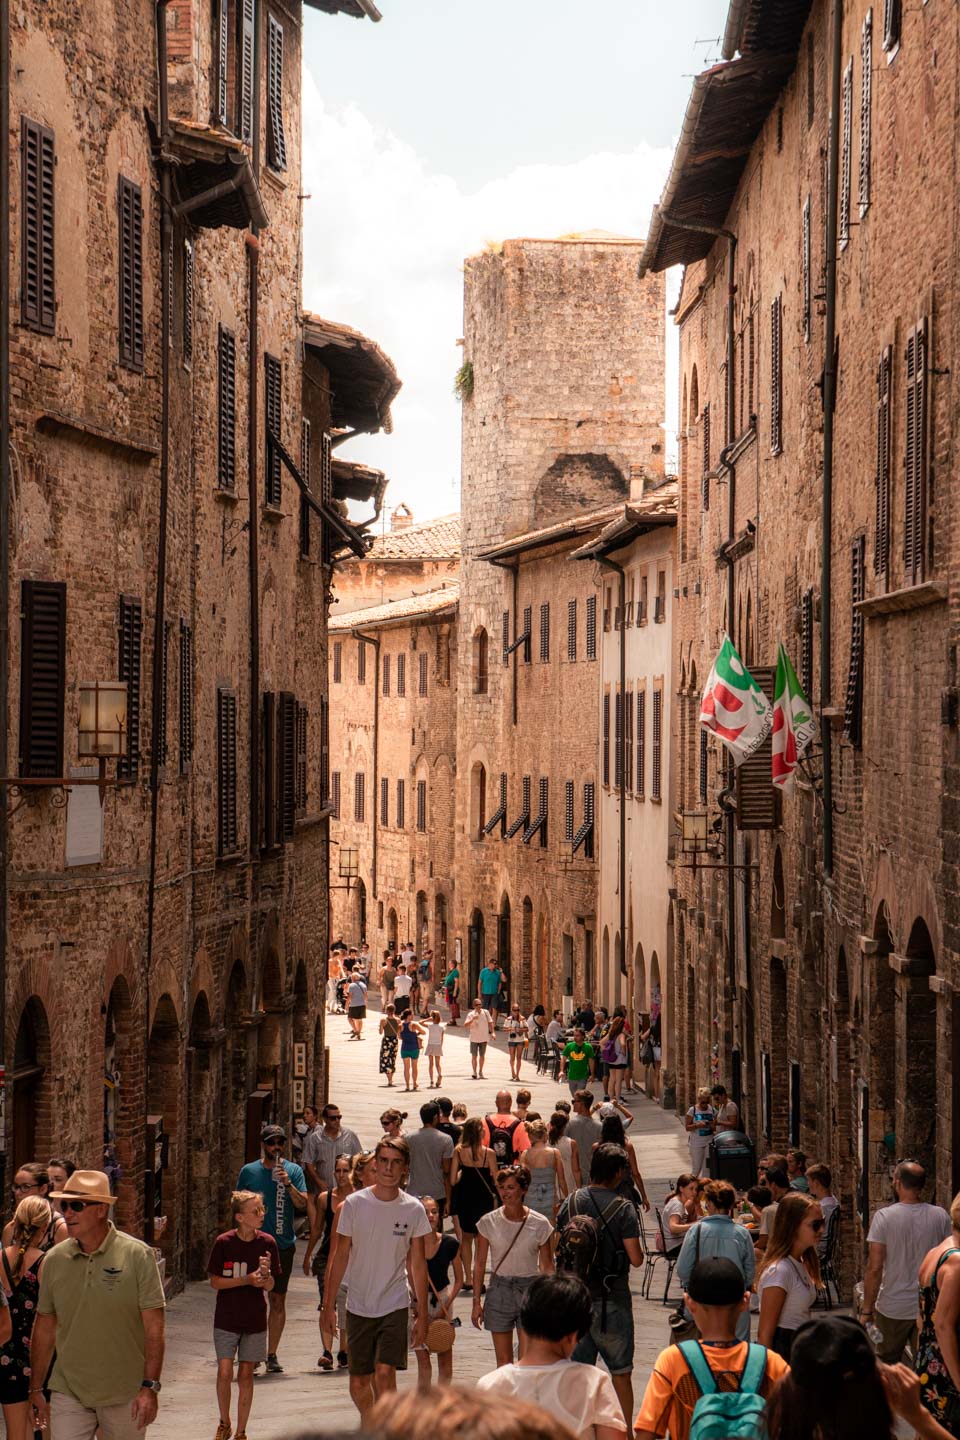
[[910, 597]]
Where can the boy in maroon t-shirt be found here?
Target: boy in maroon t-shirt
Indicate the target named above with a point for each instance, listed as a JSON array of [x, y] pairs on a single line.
[[243, 1267]]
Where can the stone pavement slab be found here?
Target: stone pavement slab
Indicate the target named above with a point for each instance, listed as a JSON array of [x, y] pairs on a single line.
[[303, 1396]]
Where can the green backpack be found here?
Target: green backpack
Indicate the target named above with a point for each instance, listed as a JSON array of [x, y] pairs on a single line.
[[727, 1414]]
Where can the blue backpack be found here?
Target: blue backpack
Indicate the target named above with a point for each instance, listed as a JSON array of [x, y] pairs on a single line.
[[727, 1414]]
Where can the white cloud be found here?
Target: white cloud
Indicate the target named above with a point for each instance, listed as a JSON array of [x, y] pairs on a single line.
[[384, 248]]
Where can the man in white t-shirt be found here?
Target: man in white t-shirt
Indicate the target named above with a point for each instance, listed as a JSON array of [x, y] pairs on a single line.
[[356, 1005], [899, 1237], [555, 1028], [402, 986], [389, 1225], [479, 1027]]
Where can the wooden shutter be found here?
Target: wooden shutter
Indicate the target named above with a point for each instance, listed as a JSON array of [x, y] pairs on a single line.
[[302, 725], [276, 137], [161, 740], [751, 358], [401, 804], [401, 675], [223, 58], [305, 458], [361, 663], [187, 326], [359, 785], [422, 685], [227, 843], [386, 674], [247, 31], [776, 376], [527, 627], [43, 641], [757, 797], [642, 602], [326, 492], [617, 739], [641, 741], [571, 629], [268, 744], [866, 110], [881, 547], [324, 751], [656, 758], [37, 289], [806, 644], [568, 793], [628, 738], [186, 695], [505, 635], [226, 409], [606, 737], [337, 662], [286, 766], [273, 409], [130, 222], [892, 15], [589, 803], [421, 804], [702, 777], [846, 154], [807, 285], [705, 468], [915, 455], [591, 627], [335, 794], [130, 631], [384, 801], [545, 632], [853, 708]]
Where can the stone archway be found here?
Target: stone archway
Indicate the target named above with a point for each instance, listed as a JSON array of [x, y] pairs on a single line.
[[238, 1075], [201, 1212], [164, 1091], [476, 942], [879, 1109], [31, 1086], [917, 1103]]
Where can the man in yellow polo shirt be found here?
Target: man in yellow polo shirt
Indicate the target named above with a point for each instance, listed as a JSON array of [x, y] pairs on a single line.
[[101, 1308]]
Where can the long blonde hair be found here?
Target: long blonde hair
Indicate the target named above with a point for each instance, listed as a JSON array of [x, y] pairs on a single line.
[[32, 1214], [791, 1213]]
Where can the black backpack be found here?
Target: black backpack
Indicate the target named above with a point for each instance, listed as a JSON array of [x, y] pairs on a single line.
[[501, 1141], [580, 1246]]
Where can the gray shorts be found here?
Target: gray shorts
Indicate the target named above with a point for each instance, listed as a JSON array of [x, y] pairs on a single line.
[[501, 1307], [245, 1346], [478, 1047]]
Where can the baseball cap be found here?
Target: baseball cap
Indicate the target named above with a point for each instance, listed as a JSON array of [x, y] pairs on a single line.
[[607, 1110], [273, 1132], [831, 1350], [716, 1282]]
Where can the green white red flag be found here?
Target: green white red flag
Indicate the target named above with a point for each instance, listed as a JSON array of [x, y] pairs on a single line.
[[793, 723], [734, 708]]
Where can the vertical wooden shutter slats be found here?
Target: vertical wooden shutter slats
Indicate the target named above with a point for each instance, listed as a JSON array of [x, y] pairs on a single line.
[[335, 794], [130, 629], [422, 681], [757, 797], [705, 471], [568, 810], [881, 550], [846, 154], [226, 409], [545, 632], [37, 283], [628, 738], [42, 677], [302, 719], [273, 408], [275, 131], [606, 738], [915, 455], [161, 741], [226, 772], [806, 644], [305, 459], [866, 95], [657, 748], [130, 219], [527, 627], [702, 776], [401, 675], [186, 694], [853, 708], [188, 276], [807, 283], [286, 766], [421, 805], [891, 24], [571, 629], [248, 13], [641, 741], [618, 738], [325, 793], [776, 376], [223, 58], [401, 805], [591, 627]]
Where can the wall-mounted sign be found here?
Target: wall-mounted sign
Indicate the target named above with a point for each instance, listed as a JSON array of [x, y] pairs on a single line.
[[299, 1060], [299, 1096]]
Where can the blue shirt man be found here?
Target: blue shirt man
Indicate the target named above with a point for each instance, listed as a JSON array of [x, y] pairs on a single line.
[[491, 978], [718, 1236]]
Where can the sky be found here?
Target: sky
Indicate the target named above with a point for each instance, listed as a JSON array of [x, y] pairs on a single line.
[[448, 125]]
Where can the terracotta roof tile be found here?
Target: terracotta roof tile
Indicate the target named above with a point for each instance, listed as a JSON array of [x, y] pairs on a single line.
[[437, 539], [412, 607]]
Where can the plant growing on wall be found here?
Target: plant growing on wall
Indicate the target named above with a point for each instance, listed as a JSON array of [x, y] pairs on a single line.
[[463, 381]]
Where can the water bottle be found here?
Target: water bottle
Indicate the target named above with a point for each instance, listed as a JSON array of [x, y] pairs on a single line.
[[874, 1334]]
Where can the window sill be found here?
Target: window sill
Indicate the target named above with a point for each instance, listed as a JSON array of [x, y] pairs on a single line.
[[909, 597], [273, 513], [234, 858], [229, 497], [275, 177]]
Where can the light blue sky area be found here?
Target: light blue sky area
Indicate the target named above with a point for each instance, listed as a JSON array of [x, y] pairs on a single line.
[[450, 124]]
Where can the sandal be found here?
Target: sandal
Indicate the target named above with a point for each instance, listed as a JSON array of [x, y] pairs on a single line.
[[224, 1430]]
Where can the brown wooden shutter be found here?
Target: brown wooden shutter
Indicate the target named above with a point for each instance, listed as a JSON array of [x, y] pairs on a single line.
[[866, 116], [702, 767], [641, 741], [269, 744], [226, 772], [247, 34], [186, 695], [846, 155], [527, 627], [892, 16], [421, 805], [505, 636], [37, 287], [273, 411], [915, 455], [776, 376], [287, 765], [338, 662], [188, 274], [853, 708], [43, 641], [130, 221], [807, 282], [806, 644], [571, 629], [606, 737], [881, 549], [324, 750], [705, 469], [656, 758], [401, 805], [628, 738], [422, 686], [276, 136], [223, 58], [326, 492], [305, 458], [359, 785], [301, 719], [385, 670], [401, 675], [757, 798], [545, 632], [617, 738], [226, 409], [130, 631], [591, 627], [568, 793], [335, 794], [164, 695]]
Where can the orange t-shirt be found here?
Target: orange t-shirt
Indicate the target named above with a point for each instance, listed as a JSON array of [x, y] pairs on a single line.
[[521, 1140], [672, 1392]]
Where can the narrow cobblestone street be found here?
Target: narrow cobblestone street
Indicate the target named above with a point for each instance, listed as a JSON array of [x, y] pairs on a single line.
[[302, 1395]]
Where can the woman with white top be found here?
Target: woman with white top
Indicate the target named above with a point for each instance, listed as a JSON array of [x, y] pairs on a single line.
[[700, 1122], [556, 1310], [517, 1241], [435, 1046], [517, 1037], [679, 1214], [569, 1153], [789, 1275]]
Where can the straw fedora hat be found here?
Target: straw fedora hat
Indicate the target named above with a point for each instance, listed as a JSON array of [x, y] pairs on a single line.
[[90, 1185]]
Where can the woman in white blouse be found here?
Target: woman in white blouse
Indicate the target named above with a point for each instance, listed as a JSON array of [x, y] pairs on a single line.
[[517, 1240], [679, 1213], [789, 1275]]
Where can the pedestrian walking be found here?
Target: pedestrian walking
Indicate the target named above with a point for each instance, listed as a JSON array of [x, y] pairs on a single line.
[[334, 976], [390, 1228], [431, 1158], [402, 986], [410, 1033], [413, 970], [717, 1236], [442, 1254], [317, 1252], [435, 1047], [389, 1040], [614, 1054], [517, 1037], [522, 1108], [388, 977], [362, 1176], [517, 1241], [104, 1319], [577, 1062], [473, 1187], [425, 975], [899, 1237], [356, 1005], [554, 1314], [451, 985], [491, 982], [789, 1274], [283, 1186], [325, 1144], [583, 1128], [569, 1154], [479, 1025], [938, 1346], [244, 1266], [446, 1124], [20, 1289], [632, 1187], [505, 1132], [547, 1182], [699, 1123], [392, 1122]]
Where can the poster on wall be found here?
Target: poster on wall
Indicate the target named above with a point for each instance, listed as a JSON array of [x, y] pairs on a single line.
[[299, 1059]]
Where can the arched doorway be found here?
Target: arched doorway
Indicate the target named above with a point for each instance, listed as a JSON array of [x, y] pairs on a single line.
[[640, 982], [201, 1212], [475, 958], [504, 943], [32, 1097], [543, 996], [440, 935], [879, 1102], [164, 1065], [525, 988], [120, 1118], [421, 940], [393, 935], [917, 1132]]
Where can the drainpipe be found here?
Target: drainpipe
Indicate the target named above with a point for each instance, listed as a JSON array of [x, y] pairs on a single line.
[[253, 527], [374, 640], [829, 400], [515, 567], [622, 788], [5, 542]]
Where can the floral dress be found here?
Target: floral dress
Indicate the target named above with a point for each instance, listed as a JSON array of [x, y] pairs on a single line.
[[937, 1391], [388, 1047], [15, 1376]]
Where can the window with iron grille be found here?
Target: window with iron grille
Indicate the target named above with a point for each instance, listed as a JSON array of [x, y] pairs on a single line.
[[276, 135], [359, 785], [226, 409], [401, 804], [702, 767], [337, 662], [301, 726], [129, 634], [915, 456], [305, 459], [705, 471], [527, 627], [227, 841], [807, 284], [335, 794], [361, 662], [853, 708], [43, 639], [186, 695], [806, 643], [591, 627], [421, 805], [866, 110], [642, 602], [386, 674], [422, 673], [657, 745], [545, 632], [37, 276], [506, 635], [660, 608], [776, 376], [571, 629], [401, 675], [628, 739], [892, 17], [606, 738], [617, 739], [324, 751], [130, 312], [641, 741], [846, 154], [245, 68], [273, 411], [384, 801], [568, 793], [881, 549]]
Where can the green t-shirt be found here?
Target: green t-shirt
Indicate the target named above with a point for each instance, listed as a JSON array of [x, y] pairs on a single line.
[[97, 1300], [578, 1059]]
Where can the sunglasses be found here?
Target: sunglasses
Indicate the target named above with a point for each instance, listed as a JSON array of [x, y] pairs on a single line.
[[78, 1205]]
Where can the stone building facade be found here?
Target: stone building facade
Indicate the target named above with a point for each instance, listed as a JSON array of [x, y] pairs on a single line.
[[410, 557], [165, 939], [820, 976]]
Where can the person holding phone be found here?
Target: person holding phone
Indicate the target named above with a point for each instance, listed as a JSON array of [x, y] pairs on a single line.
[[244, 1266]]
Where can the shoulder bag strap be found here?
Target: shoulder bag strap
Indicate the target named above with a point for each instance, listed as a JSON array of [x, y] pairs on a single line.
[[692, 1352], [753, 1371], [510, 1246]]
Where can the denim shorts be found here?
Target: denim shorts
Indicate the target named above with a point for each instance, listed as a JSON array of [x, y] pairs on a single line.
[[501, 1307], [614, 1341]]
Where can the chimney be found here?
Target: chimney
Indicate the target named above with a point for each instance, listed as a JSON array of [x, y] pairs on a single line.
[[402, 518]]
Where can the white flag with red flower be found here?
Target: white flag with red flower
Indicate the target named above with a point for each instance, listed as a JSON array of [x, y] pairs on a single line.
[[734, 708], [793, 723]]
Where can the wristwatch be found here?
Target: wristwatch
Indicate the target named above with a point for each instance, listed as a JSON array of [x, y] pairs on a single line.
[[153, 1385]]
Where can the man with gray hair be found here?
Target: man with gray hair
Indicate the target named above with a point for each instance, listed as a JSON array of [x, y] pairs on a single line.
[[899, 1237]]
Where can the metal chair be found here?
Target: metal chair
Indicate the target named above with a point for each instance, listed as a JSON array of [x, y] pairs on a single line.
[[652, 1256], [831, 1266]]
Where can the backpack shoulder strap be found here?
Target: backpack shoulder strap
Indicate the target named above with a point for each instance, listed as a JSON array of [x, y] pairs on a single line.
[[692, 1352], [754, 1370]]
